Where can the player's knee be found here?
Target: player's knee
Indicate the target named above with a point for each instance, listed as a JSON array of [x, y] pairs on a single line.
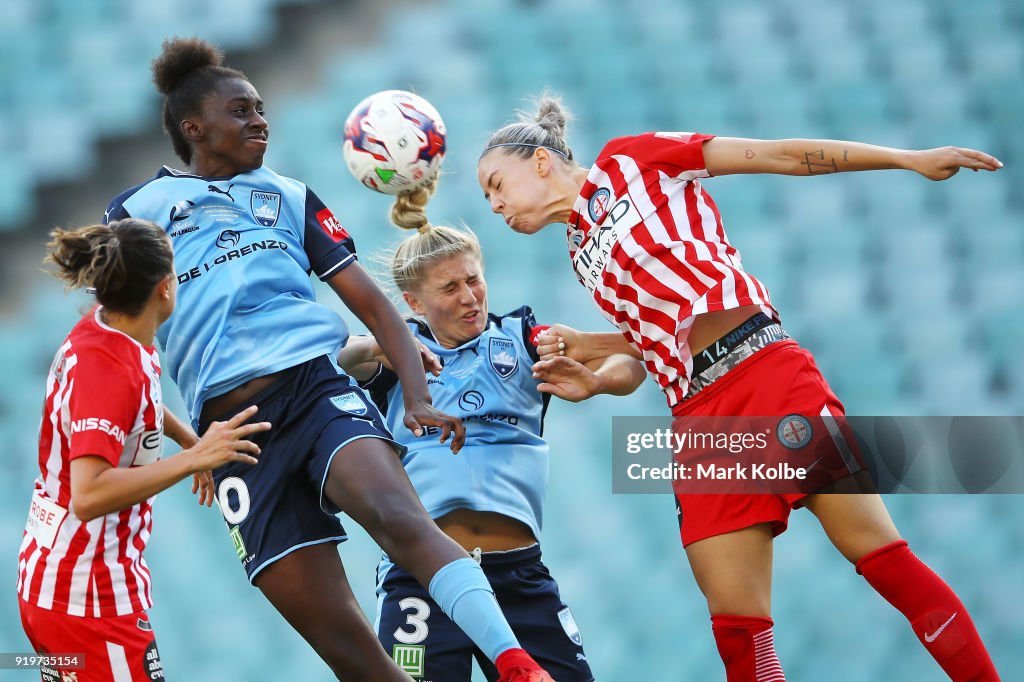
[[856, 545], [754, 606]]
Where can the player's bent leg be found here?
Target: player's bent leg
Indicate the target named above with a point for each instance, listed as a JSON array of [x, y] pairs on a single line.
[[734, 571], [366, 480], [860, 527], [310, 589]]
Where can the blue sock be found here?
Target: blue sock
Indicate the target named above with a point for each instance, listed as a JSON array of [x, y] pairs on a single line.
[[463, 593]]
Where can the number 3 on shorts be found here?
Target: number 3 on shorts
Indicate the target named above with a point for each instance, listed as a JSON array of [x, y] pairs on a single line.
[[231, 515], [417, 619]]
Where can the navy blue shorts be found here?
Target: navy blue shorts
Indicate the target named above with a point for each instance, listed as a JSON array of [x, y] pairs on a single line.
[[429, 646], [277, 506]]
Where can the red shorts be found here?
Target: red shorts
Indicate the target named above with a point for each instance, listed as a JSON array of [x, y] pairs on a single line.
[[118, 649], [781, 379]]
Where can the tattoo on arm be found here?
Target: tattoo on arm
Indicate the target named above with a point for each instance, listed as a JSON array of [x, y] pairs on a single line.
[[750, 154], [844, 156], [817, 165]]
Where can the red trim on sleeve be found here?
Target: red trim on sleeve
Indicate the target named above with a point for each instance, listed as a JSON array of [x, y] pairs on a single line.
[[536, 331]]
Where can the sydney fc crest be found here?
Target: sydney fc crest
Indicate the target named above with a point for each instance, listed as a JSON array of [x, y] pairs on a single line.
[[349, 402], [503, 358], [265, 206], [570, 627]]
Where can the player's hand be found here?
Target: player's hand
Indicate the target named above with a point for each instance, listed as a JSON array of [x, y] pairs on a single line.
[[431, 363], [421, 413], [567, 379], [202, 483], [226, 442], [558, 340], [943, 163]]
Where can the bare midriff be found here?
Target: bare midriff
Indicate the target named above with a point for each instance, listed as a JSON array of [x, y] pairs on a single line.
[[709, 327], [488, 531], [237, 399]]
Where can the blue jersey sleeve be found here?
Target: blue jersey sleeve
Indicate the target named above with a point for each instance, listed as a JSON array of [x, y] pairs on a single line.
[[115, 209], [524, 319], [528, 328], [327, 244]]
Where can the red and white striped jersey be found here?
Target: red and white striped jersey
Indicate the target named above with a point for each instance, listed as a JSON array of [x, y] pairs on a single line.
[[103, 399], [648, 242]]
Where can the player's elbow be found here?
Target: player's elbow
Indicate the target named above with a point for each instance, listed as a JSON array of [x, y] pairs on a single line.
[[86, 503], [92, 488], [630, 376], [85, 507], [788, 157], [636, 380]]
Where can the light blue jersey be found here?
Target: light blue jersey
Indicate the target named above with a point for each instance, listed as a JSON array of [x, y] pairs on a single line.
[[243, 249], [503, 467]]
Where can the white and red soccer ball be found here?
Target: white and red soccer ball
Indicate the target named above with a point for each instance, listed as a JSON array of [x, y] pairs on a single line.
[[394, 141]]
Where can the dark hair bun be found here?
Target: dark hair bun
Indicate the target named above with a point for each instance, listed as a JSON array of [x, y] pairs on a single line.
[[181, 57]]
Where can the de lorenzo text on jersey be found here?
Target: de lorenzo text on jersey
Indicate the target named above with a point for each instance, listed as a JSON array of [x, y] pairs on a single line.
[[232, 254], [510, 419]]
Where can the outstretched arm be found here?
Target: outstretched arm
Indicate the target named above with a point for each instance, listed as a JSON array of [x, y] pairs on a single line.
[[569, 380], [731, 155], [362, 356], [363, 297], [97, 488], [583, 347], [178, 431]]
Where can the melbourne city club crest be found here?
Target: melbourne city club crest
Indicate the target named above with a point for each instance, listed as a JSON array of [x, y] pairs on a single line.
[[265, 207], [502, 354], [794, 431], [598, 205]]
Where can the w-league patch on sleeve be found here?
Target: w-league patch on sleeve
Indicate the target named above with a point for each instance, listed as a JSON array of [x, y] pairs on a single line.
[[331, 225]]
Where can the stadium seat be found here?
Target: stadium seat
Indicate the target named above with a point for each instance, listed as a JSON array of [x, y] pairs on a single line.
[[825, 61], [856, 104], [889, 23], [16, 200], [920, 60], [906, 291]]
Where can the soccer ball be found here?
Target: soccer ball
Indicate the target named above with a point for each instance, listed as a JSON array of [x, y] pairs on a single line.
[[394, 141]]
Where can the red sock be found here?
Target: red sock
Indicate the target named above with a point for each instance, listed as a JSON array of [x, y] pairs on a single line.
[[747, 648], [511, 660], [936, 614]]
